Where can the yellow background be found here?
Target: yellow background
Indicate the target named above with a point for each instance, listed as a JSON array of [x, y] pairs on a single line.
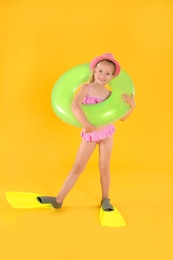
[[40, 40]]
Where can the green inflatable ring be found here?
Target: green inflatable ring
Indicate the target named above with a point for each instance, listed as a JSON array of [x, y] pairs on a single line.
[[100, 114]]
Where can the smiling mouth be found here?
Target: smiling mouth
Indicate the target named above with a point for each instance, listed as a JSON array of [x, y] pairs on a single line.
[[101, 79]]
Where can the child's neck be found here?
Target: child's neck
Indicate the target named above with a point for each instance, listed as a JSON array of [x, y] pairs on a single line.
[[96, 85]]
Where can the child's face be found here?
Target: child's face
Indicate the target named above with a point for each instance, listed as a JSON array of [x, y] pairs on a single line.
[[103, 72]]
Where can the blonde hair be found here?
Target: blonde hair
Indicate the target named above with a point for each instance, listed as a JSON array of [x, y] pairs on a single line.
[[91, 79]]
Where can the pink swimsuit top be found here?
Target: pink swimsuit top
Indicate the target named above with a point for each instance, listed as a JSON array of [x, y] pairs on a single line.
[[92, 100]]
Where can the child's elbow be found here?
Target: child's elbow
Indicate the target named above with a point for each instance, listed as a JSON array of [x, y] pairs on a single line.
[[74, 106], [122, 119]]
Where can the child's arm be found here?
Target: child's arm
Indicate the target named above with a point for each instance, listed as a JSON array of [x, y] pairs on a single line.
[[77, 110], [129, 100]]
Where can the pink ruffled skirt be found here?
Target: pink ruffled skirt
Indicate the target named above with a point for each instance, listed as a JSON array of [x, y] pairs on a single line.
[[100, 135]]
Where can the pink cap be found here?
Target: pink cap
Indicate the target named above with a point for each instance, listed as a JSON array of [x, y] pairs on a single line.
[[106, 56]]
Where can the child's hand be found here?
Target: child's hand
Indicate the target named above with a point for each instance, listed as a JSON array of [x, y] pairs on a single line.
[[89, 128], [129, 99]]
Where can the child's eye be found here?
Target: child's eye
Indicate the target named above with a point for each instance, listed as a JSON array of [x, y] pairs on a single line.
[[108, 74], [100, 70]]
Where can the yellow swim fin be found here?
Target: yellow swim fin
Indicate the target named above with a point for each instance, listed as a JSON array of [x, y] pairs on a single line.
[[24, 200], [111, 218]]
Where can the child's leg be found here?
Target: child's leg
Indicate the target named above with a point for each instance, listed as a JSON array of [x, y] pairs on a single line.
[[105, 150], [83, 155]]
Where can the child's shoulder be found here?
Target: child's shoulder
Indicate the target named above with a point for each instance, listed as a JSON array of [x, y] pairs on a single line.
[[108, 92], [84, 87]]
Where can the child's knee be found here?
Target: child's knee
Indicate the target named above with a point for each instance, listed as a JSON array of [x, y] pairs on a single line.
[[104, 170], [77, 169]]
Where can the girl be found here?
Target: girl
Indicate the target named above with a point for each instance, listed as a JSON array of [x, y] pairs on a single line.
[[103, 69]]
